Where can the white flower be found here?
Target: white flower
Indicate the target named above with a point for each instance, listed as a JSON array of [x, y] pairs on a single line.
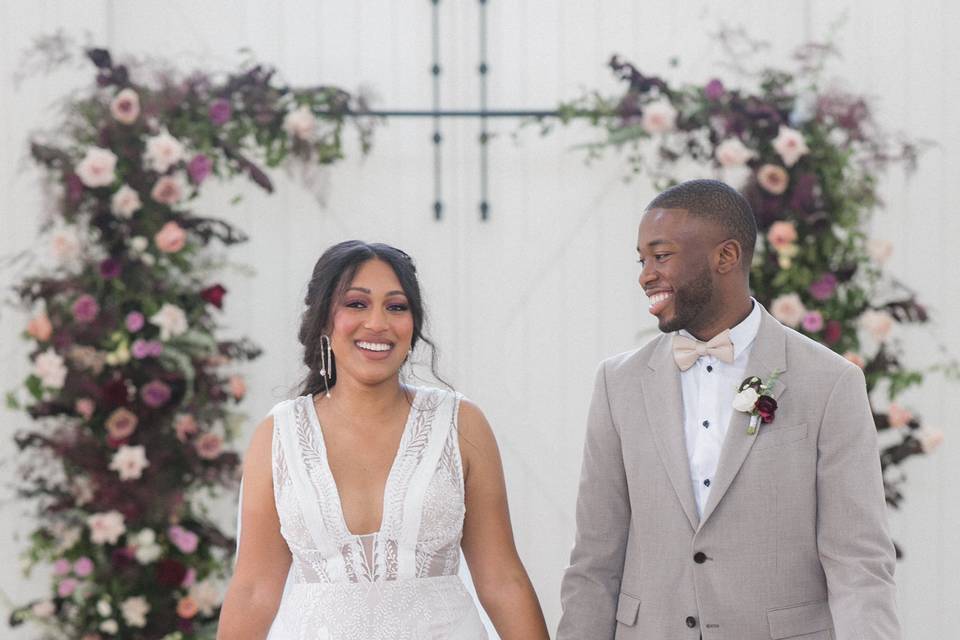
[[135, 611], [125, 202], [104, 608], [163, 151], [790, 144], [97, 167], [65, 245], [658, 117], [129, 462], [168, 190], [746, 400], [788, 309], [106, 527], [301, 123], [109, 626], [139, 244], [877, 323], [49, 367], [146, 549], [733, 153], [207, 596], [43, 609], [879, 250], [171, 319]]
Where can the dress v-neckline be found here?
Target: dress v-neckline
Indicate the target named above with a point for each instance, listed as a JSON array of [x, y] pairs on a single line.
[[404, 439]]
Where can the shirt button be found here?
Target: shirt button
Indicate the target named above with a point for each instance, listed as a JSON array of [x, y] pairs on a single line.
[[706, 424], [709, 369], [699, 557], [691, 622], [706, 482]]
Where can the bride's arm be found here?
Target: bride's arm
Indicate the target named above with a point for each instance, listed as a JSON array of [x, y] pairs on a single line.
[[264, 558], [501, 581]]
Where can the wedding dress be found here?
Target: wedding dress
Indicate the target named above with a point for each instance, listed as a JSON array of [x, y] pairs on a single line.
[[399, 583]]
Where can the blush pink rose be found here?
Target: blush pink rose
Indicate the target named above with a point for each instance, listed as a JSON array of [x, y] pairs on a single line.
[[125, 202], [929, 438], [658, 117], [171, 238], [209, 446], [168, 190], [61, 567], [125, 107], [879, 250], [163, 151], [238, 387], [97, 168], [773, 179], [790, 144], [788, 309], [39, 327], [855, 358], [301, 123], [733, 153], [878, 324], [121, 424], [83, 567], [67, 586], [85, 407], [185, 426]]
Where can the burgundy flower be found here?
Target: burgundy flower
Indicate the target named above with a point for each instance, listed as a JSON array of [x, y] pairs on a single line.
[[114, 393], [155, 393], [85, 308], [766, 408], [122, 557], [803, 197], [219, 112], [832, 332], [823, 288], [74, 189], [199, 168], [110, 268], [714, 90], [170, 573], [214, 295]]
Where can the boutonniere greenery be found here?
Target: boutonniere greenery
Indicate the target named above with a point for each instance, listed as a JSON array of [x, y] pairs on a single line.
[[754, 397]]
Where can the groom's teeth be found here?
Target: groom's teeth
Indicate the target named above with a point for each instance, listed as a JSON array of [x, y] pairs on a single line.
[[658, 298], [373, 346]]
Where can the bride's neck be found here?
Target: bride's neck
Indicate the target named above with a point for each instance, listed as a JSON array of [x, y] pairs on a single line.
[[367, 401]]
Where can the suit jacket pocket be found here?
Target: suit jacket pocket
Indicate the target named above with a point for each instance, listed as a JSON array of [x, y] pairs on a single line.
[[627, 608], [799, 619], [773, 435]]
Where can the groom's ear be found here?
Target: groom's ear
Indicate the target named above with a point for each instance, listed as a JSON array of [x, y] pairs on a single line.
[[729, 256]]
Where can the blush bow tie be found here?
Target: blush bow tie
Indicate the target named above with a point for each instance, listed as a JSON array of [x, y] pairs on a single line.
[[686, 350]]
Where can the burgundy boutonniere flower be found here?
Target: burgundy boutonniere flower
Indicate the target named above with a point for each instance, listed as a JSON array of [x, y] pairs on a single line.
[[214, 295], [753, 398]]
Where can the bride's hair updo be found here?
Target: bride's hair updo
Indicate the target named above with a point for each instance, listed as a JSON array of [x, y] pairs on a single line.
[[331, 277]]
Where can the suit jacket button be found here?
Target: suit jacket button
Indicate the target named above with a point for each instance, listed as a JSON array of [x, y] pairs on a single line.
[[691, 622], [699, 557]]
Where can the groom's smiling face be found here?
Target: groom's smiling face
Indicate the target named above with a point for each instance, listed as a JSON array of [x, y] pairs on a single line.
[[674, 248]]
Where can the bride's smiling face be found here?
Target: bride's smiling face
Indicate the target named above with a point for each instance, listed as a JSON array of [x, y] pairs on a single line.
[[372, 325]]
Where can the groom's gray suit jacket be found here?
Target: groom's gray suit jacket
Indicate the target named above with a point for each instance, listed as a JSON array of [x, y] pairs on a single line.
[[793, 540]]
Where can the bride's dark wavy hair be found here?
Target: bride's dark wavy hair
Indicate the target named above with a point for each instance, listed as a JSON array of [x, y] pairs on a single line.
[[331, 277]]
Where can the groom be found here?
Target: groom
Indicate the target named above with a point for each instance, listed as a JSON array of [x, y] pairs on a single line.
[[697, 520]]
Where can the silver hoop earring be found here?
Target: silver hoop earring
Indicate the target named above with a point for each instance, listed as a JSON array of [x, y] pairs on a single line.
[[326, 362]]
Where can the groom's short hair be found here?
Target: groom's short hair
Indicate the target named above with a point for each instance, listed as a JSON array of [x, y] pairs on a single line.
[[717, 202]]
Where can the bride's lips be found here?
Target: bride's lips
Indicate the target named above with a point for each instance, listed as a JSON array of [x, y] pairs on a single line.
[[374, 349], [659, 300]]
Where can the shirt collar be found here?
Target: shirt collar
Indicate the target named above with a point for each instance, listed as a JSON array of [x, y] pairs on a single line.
[[743, 334]]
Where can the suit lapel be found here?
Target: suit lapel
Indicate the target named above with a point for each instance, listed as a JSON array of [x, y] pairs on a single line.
[[663, 398], [768, 354]]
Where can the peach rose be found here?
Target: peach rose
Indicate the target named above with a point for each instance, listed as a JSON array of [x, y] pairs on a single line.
[[185, 426], [790, 144], [774, 179], [121, 424], [168, 190], [39, 327], [85, 407], [898, 416], [125, 107], [855, 358], [929, 438], [209, 446], [238, 387], [171, 238], [782, 234], [879, 250], [187, 607], [733, 153], [788, 309]]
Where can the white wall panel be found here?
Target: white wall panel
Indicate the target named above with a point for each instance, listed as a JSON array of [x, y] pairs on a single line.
[[524, 305]]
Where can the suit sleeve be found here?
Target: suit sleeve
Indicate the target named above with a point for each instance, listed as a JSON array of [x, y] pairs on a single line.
[[591, 584], [853, 540]]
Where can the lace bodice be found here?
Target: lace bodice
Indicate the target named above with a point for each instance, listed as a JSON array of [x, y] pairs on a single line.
[[423, 506]]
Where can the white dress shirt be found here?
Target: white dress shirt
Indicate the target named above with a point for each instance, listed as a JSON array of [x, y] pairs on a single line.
[[708, 388]]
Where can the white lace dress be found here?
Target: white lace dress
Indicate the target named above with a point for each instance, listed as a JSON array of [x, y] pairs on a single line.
[[399, 583]]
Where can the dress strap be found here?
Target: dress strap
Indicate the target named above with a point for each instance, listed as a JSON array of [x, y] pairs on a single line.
[[301, 447], [440, 408]]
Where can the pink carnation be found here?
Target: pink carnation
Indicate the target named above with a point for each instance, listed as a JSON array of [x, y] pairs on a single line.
[[155, 393], [134, 321], [85, 407], [83, 567], [85, 308], [66, 587], [171, 238], [183, 539], [812, 321], [61, 567]]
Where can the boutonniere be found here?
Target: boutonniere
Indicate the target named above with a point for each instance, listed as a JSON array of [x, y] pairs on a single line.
[[754, 397]]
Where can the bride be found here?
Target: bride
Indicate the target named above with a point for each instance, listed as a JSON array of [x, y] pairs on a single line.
[[359, 494]]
